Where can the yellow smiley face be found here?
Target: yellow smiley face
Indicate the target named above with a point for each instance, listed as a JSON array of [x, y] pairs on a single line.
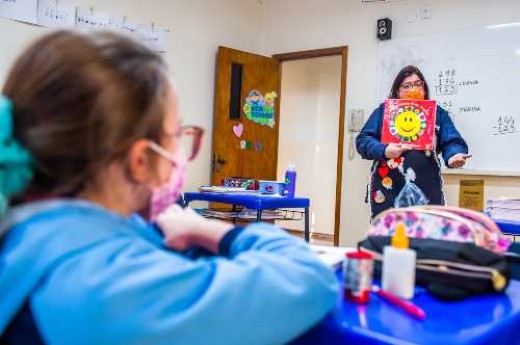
[[408, 124]]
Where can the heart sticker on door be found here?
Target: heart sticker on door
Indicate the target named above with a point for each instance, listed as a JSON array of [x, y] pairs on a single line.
[[238, 130]]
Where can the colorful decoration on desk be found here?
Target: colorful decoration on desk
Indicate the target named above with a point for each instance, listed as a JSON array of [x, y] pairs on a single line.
[[239, 182], [251, 145], [238, 130], [271, 187], [260, 109], [409, 121]]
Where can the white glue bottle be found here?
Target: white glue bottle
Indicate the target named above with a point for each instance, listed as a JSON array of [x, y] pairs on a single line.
[[399, 265]]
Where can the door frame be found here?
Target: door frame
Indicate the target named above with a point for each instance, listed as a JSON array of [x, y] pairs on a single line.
[[308, 54]]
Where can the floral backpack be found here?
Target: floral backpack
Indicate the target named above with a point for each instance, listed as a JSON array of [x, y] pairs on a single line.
[[459, 252], [442, 223]]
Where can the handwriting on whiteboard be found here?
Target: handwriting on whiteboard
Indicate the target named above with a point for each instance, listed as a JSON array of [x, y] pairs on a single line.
[[505, 125], [445, 83]]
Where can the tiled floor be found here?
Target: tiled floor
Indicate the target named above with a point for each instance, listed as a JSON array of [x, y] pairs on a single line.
[[321, 242], [318, 239]]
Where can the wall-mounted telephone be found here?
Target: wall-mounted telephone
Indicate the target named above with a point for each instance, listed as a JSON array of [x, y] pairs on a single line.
[[356, 119]]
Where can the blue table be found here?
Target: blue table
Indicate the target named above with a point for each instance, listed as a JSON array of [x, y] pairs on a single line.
[[508, 227], [255, 202], [485, 319]]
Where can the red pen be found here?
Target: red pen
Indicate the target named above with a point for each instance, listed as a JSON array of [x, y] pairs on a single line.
[[408, 307]]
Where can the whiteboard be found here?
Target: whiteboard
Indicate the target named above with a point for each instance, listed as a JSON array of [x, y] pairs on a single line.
[[475, 75]]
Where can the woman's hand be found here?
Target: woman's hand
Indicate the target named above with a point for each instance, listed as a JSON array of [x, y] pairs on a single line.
[[394, 150], [183, 229], [458, 160]]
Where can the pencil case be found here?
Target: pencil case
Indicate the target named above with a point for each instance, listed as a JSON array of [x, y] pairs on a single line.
[[449, 270], [442, 223]]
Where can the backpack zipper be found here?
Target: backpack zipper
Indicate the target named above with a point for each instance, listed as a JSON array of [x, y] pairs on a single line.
[[455, 268]]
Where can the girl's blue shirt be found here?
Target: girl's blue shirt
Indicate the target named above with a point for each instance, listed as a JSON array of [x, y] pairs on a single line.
[[93, 277]]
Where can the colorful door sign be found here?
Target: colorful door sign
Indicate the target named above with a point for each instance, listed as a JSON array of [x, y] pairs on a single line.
[[260, 109]]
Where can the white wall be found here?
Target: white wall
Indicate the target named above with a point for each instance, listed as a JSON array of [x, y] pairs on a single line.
[[197, 28], [293, 25], [494, 187], [309, 120]]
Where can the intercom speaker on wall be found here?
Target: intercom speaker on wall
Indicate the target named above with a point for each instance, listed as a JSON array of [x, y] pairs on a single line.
[[356, 119], [384, 29]]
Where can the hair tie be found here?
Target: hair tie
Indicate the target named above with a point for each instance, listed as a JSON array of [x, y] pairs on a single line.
[[15, 160]]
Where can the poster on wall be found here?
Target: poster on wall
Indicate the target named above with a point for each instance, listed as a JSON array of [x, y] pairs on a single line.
[[471, 194], [22, 10], [87, 19], [52, 15], [410, 122], [259, 108], [151, 36]]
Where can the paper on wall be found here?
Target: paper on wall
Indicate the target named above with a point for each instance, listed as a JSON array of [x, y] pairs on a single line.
[[122, 25], [86, 19], [49, 14], [151, 36], [52, 15], [22, 10], [146, 34]]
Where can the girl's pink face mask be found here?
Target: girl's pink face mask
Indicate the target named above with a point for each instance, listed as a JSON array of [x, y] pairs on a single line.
[[167, 194]]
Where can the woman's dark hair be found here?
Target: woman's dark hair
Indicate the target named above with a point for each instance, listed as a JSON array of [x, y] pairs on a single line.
[[80, 102], [402, 75]]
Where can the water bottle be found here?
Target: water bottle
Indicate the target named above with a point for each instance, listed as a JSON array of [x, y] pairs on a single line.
[[290, 181]]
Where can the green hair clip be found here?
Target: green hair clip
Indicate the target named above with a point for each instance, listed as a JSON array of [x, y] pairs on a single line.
[[15, 160]]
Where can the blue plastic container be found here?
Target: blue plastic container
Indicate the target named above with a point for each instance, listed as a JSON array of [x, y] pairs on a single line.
[[290, 181]]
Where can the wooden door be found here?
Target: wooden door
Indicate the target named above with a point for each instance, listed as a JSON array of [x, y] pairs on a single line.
[[243, 147]]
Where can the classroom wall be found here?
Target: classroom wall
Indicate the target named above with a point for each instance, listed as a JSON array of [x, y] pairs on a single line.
[[494, 187], [197, 28], [293, 25]]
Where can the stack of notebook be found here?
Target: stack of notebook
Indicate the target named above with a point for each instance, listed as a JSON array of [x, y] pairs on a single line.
[[224, 189], [503, 209]]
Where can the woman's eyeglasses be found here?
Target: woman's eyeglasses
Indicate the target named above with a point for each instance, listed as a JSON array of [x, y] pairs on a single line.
[[412, 85], [189, 139]]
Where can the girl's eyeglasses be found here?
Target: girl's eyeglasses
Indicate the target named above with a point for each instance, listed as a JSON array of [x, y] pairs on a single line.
[[189, 138], [412, 85]]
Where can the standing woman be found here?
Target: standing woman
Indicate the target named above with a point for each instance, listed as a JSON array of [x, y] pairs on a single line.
[[90, 136], [392, 161]]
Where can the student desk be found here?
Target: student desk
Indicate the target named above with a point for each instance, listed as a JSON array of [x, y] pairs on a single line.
[[508, 227], [485, 319], [253, 202]]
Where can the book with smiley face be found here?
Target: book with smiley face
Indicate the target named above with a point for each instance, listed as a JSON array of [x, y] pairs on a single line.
[[409, 121]]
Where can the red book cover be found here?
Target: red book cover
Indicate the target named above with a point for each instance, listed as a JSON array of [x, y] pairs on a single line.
[[409, 121]]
